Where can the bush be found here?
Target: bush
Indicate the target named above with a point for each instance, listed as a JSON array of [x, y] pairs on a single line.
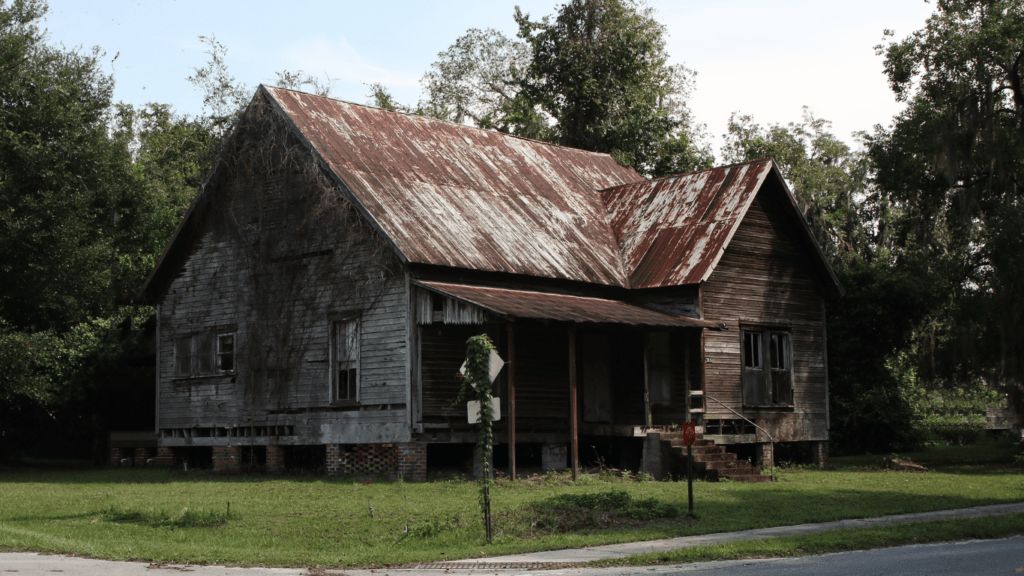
[[617, 502], [953, 416]]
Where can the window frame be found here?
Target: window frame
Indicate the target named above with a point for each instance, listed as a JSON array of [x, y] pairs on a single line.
[[354, 355], [220, 353], [194, 357], [766, 370]]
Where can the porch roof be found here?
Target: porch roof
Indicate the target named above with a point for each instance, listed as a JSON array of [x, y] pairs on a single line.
[[513, 303]]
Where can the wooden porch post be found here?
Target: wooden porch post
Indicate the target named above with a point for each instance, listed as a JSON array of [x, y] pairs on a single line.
[[573, 422], [511, 367]]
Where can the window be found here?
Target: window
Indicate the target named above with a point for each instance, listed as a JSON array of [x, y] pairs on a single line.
[[204, 354], [226, 352], [344, 360], [771, 383]]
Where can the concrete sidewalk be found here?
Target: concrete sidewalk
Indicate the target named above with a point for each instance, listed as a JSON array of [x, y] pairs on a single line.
[[581, 555], [31, 564]]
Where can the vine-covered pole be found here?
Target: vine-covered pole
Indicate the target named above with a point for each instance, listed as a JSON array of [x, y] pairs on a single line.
[[478, 354]]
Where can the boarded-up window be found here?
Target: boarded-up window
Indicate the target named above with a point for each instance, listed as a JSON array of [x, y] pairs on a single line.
[[345, 360], [771, 382]]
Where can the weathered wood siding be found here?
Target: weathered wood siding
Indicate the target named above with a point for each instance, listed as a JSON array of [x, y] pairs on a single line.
[[307, 282], [764, 278]]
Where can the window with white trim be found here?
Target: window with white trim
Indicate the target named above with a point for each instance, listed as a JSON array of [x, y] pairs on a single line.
[[207, 353], [344, 360]]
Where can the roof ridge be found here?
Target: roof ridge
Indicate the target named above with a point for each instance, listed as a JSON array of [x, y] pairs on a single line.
[[451, 122], [679, 174]]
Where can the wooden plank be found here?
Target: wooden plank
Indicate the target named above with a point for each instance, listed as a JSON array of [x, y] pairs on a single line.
[[511, 375], [573, 415]]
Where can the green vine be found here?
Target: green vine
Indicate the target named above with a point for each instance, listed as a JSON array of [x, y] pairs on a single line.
[[478, 353]]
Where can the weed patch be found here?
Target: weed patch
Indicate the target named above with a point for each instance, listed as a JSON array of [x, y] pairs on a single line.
[[187, 517]]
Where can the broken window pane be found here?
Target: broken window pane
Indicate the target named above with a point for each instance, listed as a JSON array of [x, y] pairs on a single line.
[[345, 346], [752, 349], [226, 352]]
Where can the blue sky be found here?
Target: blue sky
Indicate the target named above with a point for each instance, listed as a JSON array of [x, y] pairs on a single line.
[[761, 58]]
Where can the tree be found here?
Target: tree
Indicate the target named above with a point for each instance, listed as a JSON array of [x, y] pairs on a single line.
[[476, 78], [600, 71], [224, 98], [60, 177], [868, 330], [955, 159], [89, 194]]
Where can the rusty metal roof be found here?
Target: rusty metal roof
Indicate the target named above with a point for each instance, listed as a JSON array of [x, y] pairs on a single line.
[[453, 195], [561, 307], [673, 230]]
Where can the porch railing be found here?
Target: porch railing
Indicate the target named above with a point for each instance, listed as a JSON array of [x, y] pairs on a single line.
[[771, 458]]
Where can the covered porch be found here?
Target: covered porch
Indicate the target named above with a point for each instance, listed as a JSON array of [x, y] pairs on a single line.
[[576, 366]]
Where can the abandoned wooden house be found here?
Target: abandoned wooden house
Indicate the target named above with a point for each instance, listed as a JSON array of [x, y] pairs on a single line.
[[321, 289]]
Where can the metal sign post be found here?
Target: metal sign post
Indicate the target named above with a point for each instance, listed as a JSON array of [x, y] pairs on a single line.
[[689, 437]]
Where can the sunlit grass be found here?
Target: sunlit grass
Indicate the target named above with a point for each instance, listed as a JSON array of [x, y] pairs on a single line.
[[161, 515]]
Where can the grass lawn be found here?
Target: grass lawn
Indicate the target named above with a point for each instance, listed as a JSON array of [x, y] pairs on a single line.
[[163, 515]]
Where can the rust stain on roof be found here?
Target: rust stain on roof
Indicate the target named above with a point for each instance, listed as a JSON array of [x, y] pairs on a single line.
[[561, 307], [454, 195], [673, 230]]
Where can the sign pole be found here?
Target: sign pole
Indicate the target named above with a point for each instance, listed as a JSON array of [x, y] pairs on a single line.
[[689, 474], [689, 437]]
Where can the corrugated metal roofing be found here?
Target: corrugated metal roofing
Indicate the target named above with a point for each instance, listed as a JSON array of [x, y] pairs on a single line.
[[561, 307], [454, 195], [673, 230]]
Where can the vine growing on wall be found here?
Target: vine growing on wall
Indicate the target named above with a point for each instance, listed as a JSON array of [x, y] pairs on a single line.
[[299, 252], [478, 382]]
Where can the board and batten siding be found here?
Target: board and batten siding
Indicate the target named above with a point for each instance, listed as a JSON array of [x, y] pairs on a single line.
[[763, 278], [215, 289]]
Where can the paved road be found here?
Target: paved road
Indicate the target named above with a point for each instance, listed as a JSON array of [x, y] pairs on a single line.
[[971, 558]]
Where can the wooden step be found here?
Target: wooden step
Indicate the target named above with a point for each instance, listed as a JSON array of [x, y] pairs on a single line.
[[728, 465]]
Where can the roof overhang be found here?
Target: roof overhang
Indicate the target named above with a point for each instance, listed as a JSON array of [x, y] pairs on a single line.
[[528, 304]]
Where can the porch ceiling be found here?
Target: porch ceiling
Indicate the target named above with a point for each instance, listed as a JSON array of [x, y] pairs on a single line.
[[561, 307]]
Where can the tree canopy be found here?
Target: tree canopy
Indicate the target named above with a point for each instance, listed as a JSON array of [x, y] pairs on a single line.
[[954, 161]]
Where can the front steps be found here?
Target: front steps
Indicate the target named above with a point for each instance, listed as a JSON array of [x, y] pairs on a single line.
[[710, 461]]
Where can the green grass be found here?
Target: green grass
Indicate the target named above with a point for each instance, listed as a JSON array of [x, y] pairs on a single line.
[[835, 541], [315, 521], [986, 450]]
